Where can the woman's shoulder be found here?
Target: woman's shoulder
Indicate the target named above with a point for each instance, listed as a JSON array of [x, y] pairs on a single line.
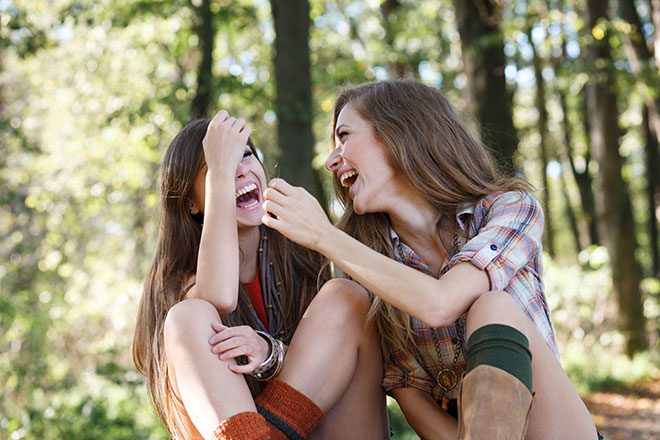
[[508, 199]]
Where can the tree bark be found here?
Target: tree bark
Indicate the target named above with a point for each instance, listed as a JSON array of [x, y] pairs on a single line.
[[293, 103], [486, 93], [205, 30], [542, 126], [612, 200], [652, 157]]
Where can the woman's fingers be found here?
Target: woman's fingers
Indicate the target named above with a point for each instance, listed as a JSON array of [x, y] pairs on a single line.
[[220, 117], [273, 208], [281, 185]]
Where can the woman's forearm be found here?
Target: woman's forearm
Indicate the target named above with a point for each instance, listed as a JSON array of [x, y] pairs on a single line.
[[436, 302], [218, 259], [424, 415]]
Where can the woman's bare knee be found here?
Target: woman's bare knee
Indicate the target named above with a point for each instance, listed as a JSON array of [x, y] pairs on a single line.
[[186, 319], [496, 307], [340, 300]]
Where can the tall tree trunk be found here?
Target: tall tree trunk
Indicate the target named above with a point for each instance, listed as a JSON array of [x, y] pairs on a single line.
[[652, 157], [570, 214], [543, 134], [585, 180], [612, 200], [294, 94], [205, 30], [484, 62], [388, 9]]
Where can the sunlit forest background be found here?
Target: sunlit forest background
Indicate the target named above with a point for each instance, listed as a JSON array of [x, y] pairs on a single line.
[[564, 92]]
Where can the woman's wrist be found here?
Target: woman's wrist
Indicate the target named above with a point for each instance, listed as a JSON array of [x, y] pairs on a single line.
[[271, 366]]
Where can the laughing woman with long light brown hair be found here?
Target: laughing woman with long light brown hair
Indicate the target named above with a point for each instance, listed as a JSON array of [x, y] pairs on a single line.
[[452, 252], [231, 335]]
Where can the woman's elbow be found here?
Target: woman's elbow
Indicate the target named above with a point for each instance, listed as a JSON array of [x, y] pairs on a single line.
[[224, 304], [225, 307], [438, 317]]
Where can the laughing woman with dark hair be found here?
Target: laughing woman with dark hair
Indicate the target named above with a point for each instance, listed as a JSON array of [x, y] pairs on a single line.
[[231, 335], [452, 254]]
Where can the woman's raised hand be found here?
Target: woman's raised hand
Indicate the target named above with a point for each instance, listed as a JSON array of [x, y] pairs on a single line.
[[295, 213], [231, 342], [225, 141]]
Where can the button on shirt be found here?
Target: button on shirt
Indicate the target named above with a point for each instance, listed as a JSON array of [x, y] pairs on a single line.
[[504, 238]]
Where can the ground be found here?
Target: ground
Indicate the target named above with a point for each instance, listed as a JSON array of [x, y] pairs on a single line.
[[623, 413]]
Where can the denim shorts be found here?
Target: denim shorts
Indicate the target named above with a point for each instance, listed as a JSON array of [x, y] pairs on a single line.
[[600, 437]]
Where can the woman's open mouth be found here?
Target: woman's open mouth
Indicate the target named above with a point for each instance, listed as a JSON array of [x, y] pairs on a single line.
[[348, 179], [247, 197]]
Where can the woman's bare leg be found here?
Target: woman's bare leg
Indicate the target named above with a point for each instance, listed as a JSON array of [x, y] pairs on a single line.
[[335, 359], [557, 411], [210, 391]]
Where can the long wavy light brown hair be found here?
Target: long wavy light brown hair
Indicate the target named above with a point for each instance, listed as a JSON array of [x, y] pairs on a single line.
[[175, 262], [430, 149]]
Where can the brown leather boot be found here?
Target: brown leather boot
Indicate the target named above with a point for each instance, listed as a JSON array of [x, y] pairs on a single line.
[[493, 405]]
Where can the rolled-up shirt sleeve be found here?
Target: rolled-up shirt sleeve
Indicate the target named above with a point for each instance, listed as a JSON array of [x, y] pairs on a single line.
[[510, 234]]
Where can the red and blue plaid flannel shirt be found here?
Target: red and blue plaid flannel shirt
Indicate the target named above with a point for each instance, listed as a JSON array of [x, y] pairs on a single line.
[[504, 238]]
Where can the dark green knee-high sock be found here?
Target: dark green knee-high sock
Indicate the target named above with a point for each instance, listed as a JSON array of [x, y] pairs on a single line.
[[502, 347]]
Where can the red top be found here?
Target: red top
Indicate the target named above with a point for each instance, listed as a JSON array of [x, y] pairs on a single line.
[[254, 292]]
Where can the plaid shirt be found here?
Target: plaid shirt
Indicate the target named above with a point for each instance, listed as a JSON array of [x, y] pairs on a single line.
[[506, 231]]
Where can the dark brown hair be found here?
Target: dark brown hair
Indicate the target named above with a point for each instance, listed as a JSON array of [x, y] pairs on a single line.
[[175, 263], [431, 150]]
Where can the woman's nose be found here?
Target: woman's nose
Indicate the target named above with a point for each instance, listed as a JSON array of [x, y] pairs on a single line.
[[333, 160], [241, 170]]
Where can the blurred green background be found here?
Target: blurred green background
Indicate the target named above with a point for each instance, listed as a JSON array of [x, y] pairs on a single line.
[[92, 92]]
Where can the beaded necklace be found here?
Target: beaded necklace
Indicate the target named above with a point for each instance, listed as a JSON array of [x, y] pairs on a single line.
[[447, 379], [271, 289]]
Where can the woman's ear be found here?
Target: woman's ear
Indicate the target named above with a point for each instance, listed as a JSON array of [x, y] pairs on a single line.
[[192, 207]]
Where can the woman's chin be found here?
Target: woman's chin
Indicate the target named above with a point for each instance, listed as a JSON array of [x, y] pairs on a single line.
[[249, 218]]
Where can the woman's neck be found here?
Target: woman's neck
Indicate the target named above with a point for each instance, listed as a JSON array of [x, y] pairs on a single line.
[[415, 222], [248, 243]]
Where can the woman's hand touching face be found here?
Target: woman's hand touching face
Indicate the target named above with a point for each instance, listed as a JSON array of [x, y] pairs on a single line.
[[295, 213], [225, 141]]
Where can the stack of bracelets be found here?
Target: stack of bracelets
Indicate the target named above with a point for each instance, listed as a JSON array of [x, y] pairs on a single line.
[[271, 366]]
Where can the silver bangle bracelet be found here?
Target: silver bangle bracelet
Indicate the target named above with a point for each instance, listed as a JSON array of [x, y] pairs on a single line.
[[271, 366]]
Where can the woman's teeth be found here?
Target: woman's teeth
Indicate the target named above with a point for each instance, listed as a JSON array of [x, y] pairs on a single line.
[[246, 189], [347, 176]]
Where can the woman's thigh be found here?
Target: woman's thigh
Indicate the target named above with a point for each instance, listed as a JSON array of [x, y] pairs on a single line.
[[210, 392]]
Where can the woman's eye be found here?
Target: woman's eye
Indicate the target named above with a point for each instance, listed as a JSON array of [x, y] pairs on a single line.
[[342, 134], [247, 153]]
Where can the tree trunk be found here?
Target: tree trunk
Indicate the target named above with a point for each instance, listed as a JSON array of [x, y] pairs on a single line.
[[612, 200], [585, 181], [652, 157], [543, 134], [294, 94], [570, 213], [205, 30], [486, 94]]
